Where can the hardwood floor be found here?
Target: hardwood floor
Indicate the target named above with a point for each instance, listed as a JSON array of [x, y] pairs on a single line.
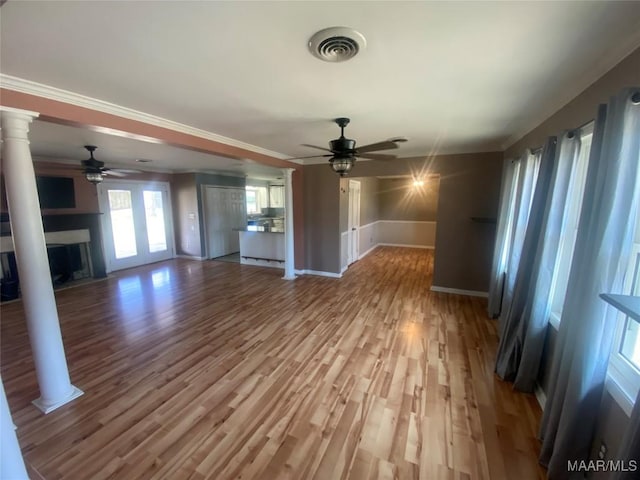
[[215, 370]]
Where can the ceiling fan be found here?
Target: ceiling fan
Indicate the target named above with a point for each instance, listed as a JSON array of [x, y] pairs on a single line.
[[343, 151], [94, 170]]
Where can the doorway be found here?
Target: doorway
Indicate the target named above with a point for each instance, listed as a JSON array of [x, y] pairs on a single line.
[[225, 214], [353, 236], [136, 223]]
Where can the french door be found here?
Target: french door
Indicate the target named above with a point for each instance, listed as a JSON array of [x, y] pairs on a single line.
[[136, 223], [353, 237]]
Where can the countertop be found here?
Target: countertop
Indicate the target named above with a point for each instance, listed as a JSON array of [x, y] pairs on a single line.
[[259, 228]]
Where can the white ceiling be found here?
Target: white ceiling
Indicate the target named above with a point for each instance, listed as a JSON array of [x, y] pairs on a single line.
[[452, 77]]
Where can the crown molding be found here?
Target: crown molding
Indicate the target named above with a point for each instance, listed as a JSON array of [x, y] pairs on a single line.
[[52, 93]]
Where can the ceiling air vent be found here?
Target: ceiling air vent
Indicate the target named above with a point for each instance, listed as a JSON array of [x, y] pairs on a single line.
[[336, 44]]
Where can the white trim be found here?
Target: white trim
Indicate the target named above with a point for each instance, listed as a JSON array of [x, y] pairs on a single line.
[[554, 320], [261, 263], [406, 245], [457, 291], [368, 252], [191, 257], [344, 269], [396, 221], [319, 273], [50, 407], [52, 93], [540, 395], [18, 111], [407, 221], [619, 395]]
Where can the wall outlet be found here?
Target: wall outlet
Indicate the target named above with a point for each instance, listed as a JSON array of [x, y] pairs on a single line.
[[602, 452]]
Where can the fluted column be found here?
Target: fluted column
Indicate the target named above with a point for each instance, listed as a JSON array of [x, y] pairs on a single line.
[[11, 462], [289, 256], [32, 262]]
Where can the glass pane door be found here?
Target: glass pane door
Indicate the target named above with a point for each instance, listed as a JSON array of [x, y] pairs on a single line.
[[154, 216], [123, 230], [136, 223]]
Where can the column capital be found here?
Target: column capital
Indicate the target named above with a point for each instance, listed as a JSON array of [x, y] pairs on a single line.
[[17, 113], [288, 171], [14, 123]]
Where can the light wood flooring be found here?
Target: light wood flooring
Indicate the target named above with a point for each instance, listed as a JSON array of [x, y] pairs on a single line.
[[215, 370]]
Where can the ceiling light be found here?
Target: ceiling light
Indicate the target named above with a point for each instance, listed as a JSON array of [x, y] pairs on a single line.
[[94, 177], [342, 165], [143, 160], [418, 183], [336, 44]]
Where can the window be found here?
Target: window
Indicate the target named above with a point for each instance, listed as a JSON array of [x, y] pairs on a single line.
[[256, 199], [624, 364], [570, 228], [276, 196], [525, 177]]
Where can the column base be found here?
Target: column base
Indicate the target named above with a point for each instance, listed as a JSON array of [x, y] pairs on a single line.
[[50, 407], [289, 277]]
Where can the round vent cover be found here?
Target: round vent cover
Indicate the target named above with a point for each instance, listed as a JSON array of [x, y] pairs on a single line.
[[336, 44]]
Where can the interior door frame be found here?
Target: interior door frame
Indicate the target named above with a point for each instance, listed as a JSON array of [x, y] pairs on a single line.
[[353, 225], [206, 213], [107, 234]]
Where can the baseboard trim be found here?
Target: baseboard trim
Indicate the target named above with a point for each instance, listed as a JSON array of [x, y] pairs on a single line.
[[191, 257], [405, 245], [540, 395], [261, 263], [367, 252], [457, 291], [319, 273]]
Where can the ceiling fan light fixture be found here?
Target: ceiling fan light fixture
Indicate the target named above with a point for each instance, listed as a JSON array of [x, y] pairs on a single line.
[[336, 44], [94, 177], [342, 165]]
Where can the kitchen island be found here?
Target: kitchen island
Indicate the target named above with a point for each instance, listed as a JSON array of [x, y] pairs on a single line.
[[262, 246]]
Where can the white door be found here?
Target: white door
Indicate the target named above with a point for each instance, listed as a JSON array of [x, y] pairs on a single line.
[[354, 221], [225, 213], [136, 223]]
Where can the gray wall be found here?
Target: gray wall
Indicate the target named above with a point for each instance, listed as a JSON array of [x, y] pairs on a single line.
[[469, 187], [322, 200], [186, 215], [369, 201], [400, 200]]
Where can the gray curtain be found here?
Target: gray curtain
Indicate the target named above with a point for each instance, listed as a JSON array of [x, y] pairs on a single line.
[[603, 243], [527, 174], [498, 266], [630, 446], [526, 320]]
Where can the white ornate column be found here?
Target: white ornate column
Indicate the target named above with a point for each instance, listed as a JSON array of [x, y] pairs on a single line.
[[289, 256], [11, 462], [32, 262]]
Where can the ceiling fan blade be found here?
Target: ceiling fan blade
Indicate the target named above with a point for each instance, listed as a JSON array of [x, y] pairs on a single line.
[[114, 173], [378, 156], [310, 156], [314, 146], [376, 146]]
